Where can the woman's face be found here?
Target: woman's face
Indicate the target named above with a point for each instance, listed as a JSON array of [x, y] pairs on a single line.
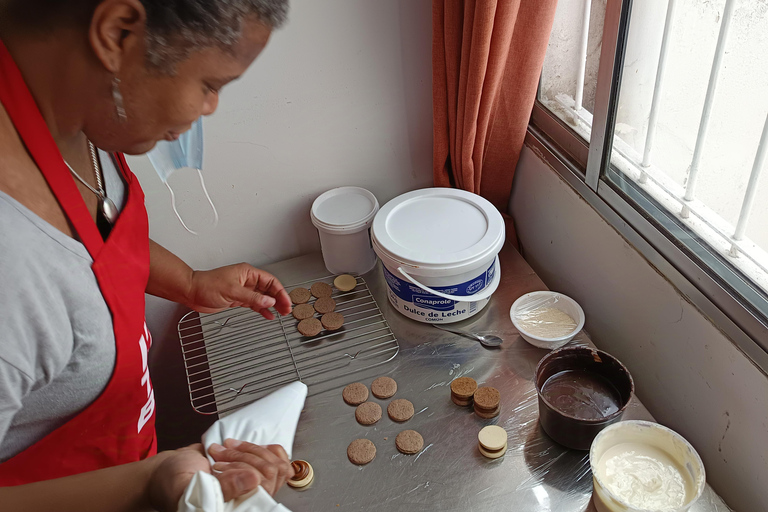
[[160, 106]]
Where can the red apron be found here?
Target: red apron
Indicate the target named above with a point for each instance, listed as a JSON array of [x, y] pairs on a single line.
[[119, 426]]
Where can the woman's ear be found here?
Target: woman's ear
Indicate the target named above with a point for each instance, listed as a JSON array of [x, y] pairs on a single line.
[[117, 26]]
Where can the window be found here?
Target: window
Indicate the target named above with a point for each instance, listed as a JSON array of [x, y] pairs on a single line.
[[661, 109]]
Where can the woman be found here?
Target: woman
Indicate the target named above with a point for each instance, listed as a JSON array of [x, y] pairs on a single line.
[[77, 407]]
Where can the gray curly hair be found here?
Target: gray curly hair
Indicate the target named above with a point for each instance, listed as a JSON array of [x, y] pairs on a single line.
[[175, 28]]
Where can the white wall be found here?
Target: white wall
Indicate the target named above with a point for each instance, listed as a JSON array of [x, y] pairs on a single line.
[[342, 95], [689, 375]]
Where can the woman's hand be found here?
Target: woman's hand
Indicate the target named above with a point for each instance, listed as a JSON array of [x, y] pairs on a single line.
[[238, 285], [240, 468], [268, 464]]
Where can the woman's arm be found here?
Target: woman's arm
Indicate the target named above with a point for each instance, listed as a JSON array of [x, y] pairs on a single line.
[[156, 483], [209, 291]]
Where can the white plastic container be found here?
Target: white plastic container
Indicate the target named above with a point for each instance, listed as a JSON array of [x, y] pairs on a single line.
[[439, 249], [343, 218], [647, 445], [524, 309]]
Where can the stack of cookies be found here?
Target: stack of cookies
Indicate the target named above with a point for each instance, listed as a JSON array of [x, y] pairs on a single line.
[[462, 391], [486, 400]]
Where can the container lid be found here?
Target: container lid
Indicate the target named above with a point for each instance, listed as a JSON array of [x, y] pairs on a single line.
[[438, 228], [344, 210]]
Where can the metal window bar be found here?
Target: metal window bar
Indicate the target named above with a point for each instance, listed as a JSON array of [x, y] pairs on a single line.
[[749, 194], [657, 88], [235, 357], [579, 97], [693, 170]]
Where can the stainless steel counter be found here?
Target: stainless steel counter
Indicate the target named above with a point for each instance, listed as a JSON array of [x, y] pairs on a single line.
[[449, 473]]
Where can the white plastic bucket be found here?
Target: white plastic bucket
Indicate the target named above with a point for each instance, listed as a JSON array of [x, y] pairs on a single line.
[[343, 218], [439, 248]]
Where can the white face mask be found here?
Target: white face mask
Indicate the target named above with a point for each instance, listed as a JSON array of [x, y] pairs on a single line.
[[186, 151]]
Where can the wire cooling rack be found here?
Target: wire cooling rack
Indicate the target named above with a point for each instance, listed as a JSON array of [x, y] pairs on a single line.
[[236, 356]]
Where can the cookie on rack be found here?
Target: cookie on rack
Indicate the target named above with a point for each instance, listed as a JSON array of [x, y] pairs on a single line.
[[321, 289], [310, 327], [325, 305], [300, 295], [303, 311], [345, 282]]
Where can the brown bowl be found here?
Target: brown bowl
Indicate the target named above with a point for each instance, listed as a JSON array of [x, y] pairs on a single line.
[[581, 391]]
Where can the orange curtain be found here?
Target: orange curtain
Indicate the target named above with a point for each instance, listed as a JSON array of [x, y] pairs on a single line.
[[486, 60]]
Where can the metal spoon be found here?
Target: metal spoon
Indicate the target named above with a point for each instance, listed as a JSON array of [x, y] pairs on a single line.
[[487, 340]]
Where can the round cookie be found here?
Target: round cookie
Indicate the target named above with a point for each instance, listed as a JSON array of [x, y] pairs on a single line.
[[409, 442], [345, 282], [361, 451], [310, 327], [321, 289], [487, 398], [368, 413], [355, 393], [304, 474], [492, 438], [325, 305], [384, 387], [492, 454], [332, 321], [400, 410], [463, 388], [303, 311], [299, 295]]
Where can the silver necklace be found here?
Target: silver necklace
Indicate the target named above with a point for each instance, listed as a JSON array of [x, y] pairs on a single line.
[[106, 207]]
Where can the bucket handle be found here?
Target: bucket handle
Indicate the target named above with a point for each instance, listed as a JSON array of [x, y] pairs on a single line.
[[481, 295]]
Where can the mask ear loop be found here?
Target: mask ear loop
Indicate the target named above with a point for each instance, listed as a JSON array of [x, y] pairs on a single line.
[[207, 196]]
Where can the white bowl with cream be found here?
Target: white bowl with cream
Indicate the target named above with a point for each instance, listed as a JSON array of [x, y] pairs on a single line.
[[547, 319], [641, 466]]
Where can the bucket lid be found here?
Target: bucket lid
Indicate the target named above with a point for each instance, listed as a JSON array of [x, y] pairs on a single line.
[[344, 210], [438, 228]]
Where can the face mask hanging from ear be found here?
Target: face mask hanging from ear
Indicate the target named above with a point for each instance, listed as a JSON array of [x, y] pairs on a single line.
[[186, 151]]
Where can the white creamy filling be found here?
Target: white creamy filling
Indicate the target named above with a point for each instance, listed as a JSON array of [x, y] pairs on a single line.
[[546, 322], [644, 476]]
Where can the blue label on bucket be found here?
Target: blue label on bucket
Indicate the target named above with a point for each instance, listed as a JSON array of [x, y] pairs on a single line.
[[418, 297]]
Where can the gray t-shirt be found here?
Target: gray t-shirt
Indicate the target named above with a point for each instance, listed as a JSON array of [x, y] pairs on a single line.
[[57, 345]]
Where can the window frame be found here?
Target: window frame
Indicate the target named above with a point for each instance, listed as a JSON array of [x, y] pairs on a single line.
[[585, 166]]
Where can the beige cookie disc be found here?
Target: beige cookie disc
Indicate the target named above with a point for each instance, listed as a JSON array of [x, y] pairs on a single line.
[[355, 394], [409, 442], [303, 311], [325, 305], [368, 413], [492, 438], [299, 295], [492, 454], [321, 289], [400, 410], [384, 387], [304, 474], [361, 451], [332, 321], [310, 327], [345, 282]]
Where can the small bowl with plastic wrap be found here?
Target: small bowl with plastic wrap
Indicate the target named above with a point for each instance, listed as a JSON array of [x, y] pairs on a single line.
[[547, 319]]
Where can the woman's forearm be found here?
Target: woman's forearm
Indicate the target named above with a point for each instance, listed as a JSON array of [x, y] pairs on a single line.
[[117, 489], [169, 277]]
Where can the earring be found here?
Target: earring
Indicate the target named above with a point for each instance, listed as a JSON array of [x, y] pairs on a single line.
[[117, 96]]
